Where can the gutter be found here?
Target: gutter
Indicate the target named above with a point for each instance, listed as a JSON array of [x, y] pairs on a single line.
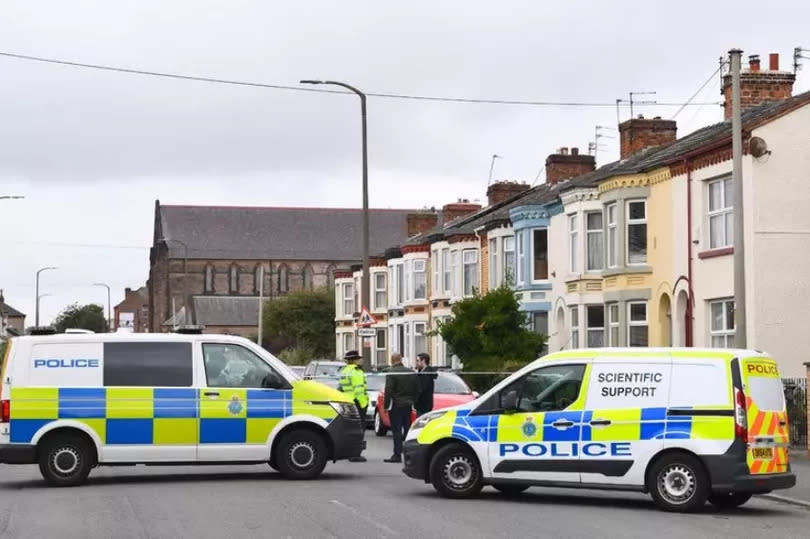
[[690, 319]]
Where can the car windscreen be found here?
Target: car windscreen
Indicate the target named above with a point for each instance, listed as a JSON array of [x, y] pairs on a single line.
[[328, 369], [451, 384]]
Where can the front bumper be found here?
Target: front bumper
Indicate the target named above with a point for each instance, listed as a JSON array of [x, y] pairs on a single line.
[[18, 454], [415, 460], [347, 437]]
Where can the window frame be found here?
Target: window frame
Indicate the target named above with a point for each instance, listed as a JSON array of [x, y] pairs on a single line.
[[378, 305], [434, 261], [638, 323], [628, 222], [494, 405], [726, 334], [589, 330], [612, 239], [600, 233], [613, 324], [283, 278], [724, 211], [573, 246], [533, 256], [209, 279], [250, 353], [348, 341], [423, 337], [233, 279], [147, 350], [493, 263], [575, 326], [347, 298], [400, 278], [447, 271], [464, 264], [423, 272], [521, 256], [507, 273]]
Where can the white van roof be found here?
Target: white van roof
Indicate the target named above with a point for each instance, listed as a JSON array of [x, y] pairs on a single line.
[[127, 337]]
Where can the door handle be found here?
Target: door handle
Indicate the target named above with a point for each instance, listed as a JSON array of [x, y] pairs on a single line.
[[211, 393], [562, 424], [601, 422]]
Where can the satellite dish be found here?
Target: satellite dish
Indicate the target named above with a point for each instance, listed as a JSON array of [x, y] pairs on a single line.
[[758, 147]]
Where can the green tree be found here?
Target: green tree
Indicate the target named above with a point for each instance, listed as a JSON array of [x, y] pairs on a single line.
[[301, 325], [488, 333], [77, 316]]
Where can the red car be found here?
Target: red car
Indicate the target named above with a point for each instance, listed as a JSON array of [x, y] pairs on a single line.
[[449, 390]]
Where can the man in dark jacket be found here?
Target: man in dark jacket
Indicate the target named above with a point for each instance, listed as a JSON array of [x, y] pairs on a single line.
[[401, 392], [427, 381]]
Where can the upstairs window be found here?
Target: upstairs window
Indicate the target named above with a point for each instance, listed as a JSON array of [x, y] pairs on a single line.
[[434, 261], [493, 263], [509, 260], [596, 241], [521, 256], [540, 254], [454, 267], [572, 244], [379, 291], [400, 284], [721, 214], [348, 299], [447, 270], [612, 237], [470, 271], [637, 232], [419, 280]]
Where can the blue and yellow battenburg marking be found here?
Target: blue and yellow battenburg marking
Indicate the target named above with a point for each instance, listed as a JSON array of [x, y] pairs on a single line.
[[625, 425], [160, 416]]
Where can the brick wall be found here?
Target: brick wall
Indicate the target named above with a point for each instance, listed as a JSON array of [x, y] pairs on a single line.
[[564, 165], [757, 87], [640, 133], [421, 222]]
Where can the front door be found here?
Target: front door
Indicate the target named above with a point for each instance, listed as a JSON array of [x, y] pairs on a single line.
[[538, 426], [239, 407]]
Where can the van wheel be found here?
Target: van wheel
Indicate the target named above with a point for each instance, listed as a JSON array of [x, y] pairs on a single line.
[[678, 483], [511, 491], [301, 454], [729, 501], [455, 472], [379, 426], [65, 460]]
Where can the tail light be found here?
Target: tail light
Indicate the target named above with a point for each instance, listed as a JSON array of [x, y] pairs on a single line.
[[5, 411], [740, 416]]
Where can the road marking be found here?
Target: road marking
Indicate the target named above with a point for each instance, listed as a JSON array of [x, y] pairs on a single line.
[[371, 521]]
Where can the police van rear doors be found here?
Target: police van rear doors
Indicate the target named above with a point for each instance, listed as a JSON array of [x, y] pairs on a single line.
[[767, 427]]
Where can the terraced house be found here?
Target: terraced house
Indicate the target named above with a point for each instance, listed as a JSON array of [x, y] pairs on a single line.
[[640, 251]]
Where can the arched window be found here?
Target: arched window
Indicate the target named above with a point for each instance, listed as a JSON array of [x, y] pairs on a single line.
[[330, 276], [233, 279], [209, 279], [308, 277], [283, 279]]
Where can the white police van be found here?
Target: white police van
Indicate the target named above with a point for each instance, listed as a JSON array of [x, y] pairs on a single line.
[[685, 425], [70, 402]]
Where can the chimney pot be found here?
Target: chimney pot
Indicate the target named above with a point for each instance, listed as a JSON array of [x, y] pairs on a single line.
[[773, 61], [574, 151], [564, 150], [753, 62]]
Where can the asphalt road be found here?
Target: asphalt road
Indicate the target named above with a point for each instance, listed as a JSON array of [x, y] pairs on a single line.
[[351, 500]]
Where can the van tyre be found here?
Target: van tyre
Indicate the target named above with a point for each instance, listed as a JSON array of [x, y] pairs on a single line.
[[301, 454], [511, 491], [678, 483], [729, 501], [455, 472], [65, 460], [379, 426]]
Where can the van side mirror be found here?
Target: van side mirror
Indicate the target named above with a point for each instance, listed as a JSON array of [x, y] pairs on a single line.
[[272, 381]]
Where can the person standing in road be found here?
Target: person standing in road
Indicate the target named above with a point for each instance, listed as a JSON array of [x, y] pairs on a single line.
[[427, 381], [353, 383], [401, 393]]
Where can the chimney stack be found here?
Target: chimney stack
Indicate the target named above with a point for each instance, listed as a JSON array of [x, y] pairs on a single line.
[[421, 222], [640, 133], [757, 86], [503, 190], [562, 166], [457, 209]]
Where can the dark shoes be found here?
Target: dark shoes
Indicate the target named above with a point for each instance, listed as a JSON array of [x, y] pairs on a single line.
[[357, 459], [394, 458]]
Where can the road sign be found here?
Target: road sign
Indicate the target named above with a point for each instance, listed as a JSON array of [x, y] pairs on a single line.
[[365, 319], [367, 332]]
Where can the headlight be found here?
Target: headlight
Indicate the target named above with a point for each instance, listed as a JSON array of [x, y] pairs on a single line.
[[345, 409], [427, 418]]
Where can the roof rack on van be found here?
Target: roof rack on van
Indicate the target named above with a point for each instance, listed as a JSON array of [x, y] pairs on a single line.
[[41, 330], [78, 331], [189, 330]]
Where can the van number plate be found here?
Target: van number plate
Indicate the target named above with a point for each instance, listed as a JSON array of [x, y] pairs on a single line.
[[763, 453]]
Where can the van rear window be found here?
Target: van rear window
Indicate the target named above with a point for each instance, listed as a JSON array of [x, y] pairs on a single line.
[[159, 364], [767, 393]]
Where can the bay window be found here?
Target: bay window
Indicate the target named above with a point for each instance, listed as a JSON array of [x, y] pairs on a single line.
[[540, 254], [612, 237], [595, 241], [348, 299], [509, 260], [574, 327], [400, 284], [572, 243], [434, 262], [379, 290], [613, 324], [493, 263], [637, 232], [448, 272], [637, 325], [521, 257], [419, 280], [454, 269], [595, 325], [470, 273]]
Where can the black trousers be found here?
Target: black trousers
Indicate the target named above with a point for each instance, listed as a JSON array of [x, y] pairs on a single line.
[[400, 423]]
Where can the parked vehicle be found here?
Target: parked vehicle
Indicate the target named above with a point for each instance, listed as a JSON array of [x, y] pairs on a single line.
[[73, 402], [298, 369], [325, 371], [450, 390], [684, 425]]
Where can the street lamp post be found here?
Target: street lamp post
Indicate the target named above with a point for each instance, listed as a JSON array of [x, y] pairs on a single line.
[[36, 310], [185, 275], [109, 318], [366, 285]]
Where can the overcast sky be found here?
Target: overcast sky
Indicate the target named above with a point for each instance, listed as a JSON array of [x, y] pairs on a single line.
[[92, 150]]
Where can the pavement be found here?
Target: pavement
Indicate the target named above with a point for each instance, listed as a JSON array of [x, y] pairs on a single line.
[[372, 499], [799, 494]]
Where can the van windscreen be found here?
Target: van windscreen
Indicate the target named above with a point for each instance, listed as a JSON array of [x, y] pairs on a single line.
[[151, 364]]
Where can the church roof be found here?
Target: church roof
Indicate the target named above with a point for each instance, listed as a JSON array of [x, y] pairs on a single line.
[[274, 233], [226, 310]]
